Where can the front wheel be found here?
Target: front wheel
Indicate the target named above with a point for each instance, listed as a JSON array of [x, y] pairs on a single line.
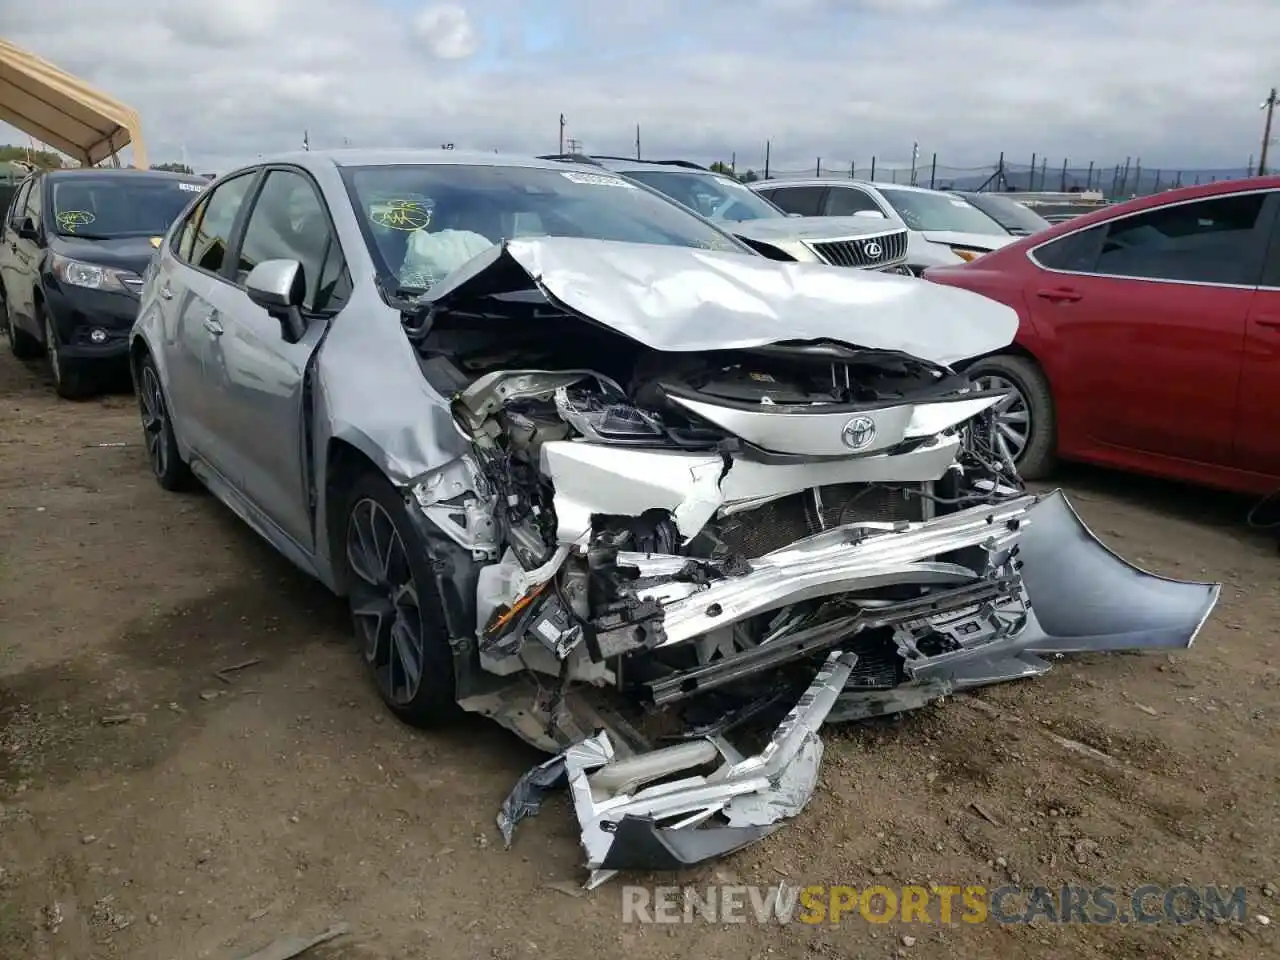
[[395, 609], [157, 430], [1026, 428], [70, 379]]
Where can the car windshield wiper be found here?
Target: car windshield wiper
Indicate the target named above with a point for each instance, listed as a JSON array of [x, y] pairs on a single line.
[[84, 236]]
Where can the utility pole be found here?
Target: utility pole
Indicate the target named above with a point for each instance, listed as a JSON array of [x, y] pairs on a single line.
[[915, 157], [562, 133], [1268, 105], [637, 141]]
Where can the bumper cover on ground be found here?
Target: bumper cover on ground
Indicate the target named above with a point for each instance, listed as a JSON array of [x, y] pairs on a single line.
[[653, 811]]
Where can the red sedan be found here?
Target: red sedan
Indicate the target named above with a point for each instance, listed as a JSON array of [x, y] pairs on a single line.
[[1149, 337]]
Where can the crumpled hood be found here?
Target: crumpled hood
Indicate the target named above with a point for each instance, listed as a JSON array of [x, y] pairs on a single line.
[[976, 241], [811, 228], [682, 299]]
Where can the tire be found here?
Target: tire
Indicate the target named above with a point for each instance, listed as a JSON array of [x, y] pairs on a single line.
[[158, 438], [21, 344], [70, 379], [1038, 455], [395, 609]]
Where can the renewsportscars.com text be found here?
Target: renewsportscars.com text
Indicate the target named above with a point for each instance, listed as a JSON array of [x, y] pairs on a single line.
[[935, 904]]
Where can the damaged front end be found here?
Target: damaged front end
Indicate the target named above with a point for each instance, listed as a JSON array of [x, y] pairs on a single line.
[[688, 558]]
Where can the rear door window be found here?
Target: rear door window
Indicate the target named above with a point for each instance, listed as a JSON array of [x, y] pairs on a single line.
[[1218, 240], [212, 221], [846, 201], [806, 201]]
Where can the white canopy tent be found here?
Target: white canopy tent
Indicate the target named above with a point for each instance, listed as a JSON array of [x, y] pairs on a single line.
[[64, 112]]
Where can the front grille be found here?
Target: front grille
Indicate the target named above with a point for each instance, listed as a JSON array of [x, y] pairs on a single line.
[[780, 522], [861, 252]]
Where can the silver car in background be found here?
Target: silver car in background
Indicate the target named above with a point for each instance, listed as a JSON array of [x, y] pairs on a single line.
[[582, 463]]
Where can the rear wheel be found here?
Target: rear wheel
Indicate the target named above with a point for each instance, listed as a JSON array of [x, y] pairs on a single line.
[[70, 379], [21, 344], [1026, 428], [396, 612]]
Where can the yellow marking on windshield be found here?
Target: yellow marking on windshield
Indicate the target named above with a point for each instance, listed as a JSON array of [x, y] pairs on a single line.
[[407, 215], [68, 220]]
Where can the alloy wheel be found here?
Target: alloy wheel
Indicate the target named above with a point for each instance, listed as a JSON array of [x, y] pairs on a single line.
[[155, 421], [1012, 415], [384, 602]]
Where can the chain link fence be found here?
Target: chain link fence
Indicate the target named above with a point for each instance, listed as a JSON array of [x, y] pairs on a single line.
[[1115, 181]]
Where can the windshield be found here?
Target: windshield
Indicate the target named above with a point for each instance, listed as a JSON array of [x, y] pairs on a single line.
[[921, 210], [713, 196], [1010, 214], [422, 222], [104, 208]]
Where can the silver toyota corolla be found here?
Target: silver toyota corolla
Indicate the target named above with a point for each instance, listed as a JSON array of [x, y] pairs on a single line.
[[584, 464]]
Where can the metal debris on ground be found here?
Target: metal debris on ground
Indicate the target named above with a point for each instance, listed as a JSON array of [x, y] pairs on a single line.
[[285, 948], [978, 809], [222, 673]]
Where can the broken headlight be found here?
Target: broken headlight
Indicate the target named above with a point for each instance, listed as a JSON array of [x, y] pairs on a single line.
[[606, 420]]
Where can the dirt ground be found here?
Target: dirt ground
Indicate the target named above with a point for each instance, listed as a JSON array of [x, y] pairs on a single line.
[[150, 809]]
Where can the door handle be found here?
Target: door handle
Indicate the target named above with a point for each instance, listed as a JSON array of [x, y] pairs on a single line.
[[212, 325], [1271, 323], [166, 293], [1059, 295]]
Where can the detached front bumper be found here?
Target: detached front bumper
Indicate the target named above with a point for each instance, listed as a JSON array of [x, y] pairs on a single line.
[[1045, 585]]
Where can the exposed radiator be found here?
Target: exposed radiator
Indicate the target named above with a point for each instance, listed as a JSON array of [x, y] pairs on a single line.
[[753, 533]]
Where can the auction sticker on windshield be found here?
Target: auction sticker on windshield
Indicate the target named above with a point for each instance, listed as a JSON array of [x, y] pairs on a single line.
[[190, 187], [597, 179]]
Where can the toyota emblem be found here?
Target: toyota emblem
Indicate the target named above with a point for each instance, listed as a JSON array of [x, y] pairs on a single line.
[[858, 433], [873, 249]]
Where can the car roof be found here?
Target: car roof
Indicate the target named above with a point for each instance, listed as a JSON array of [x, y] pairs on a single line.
[[623, 164], [124, 173], [357, 157], [837, 182]]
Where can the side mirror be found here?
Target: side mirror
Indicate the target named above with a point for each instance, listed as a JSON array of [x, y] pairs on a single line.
[[279, 287], [27, 230], [870, 214]]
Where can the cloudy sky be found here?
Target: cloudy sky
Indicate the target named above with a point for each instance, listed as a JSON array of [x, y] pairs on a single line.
[[1174, 82]]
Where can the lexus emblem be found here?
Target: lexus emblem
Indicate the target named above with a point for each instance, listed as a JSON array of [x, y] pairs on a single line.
[[858, 433], [873, 250]]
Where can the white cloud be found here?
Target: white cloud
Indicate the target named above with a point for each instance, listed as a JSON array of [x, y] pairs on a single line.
[[448, 31], [1171, 81]]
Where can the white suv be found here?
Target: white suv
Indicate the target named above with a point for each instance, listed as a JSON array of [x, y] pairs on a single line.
[[943, 229]]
